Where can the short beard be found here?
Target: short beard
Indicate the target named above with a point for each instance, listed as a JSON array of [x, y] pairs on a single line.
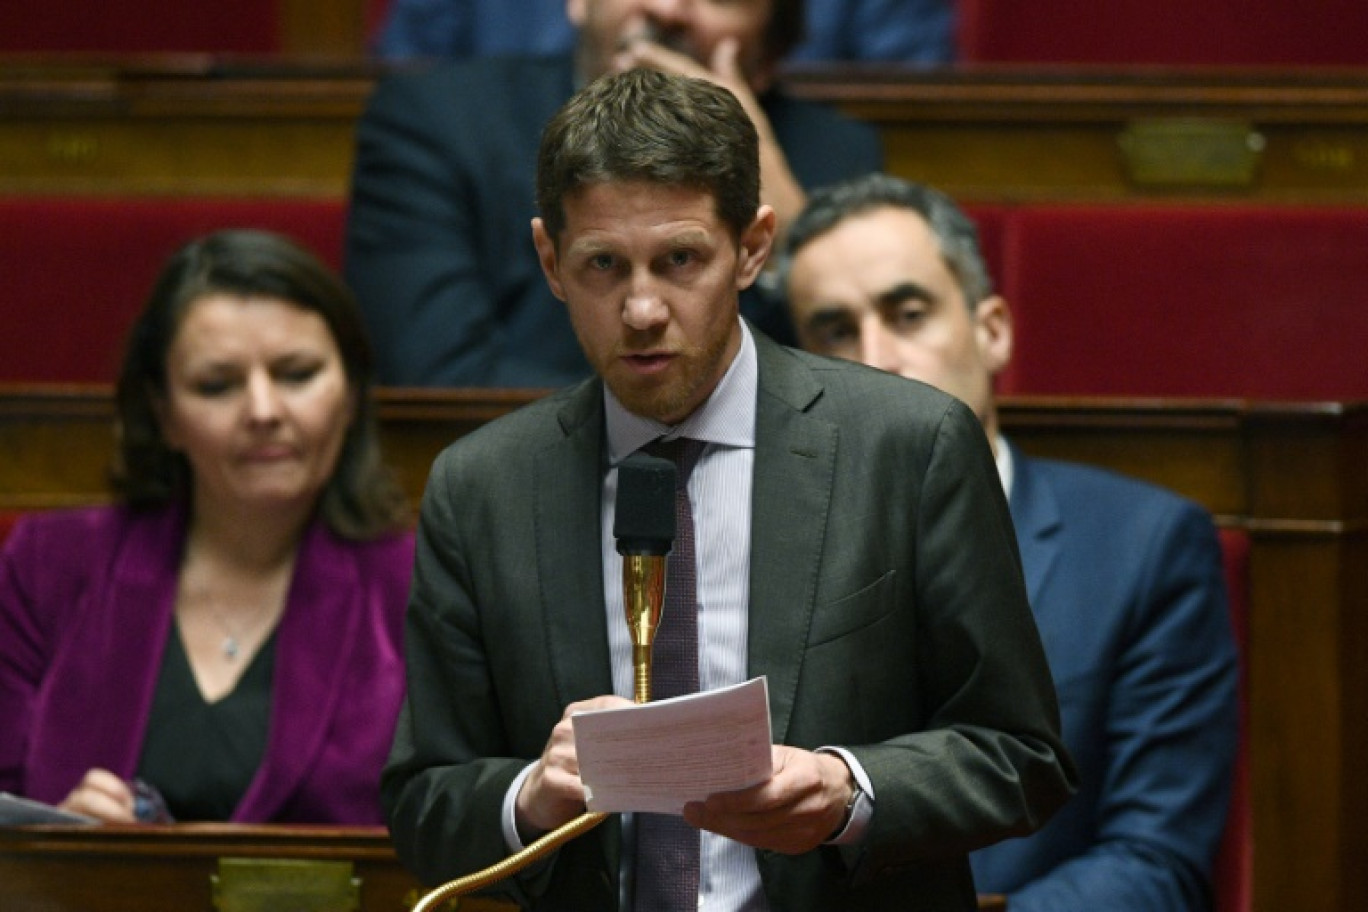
[[672, 402]]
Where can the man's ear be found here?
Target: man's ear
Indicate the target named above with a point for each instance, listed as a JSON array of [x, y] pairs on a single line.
[[756, 242], [993, 332], [546, 256]]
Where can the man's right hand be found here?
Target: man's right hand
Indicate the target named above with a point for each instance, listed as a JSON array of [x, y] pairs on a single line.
[[552, 793]]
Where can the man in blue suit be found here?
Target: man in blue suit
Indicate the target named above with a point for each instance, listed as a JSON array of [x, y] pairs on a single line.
[[1124, 578], [437, 246]]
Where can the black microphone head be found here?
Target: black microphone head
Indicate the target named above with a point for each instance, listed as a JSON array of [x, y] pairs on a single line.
[[644, 519]]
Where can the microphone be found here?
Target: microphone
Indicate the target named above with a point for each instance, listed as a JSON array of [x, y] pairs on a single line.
[[644, 526]]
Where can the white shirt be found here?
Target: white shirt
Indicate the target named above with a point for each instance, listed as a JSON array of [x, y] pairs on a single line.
[[729, 880]]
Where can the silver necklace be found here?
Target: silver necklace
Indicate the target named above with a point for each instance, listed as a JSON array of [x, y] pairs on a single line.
[[231, 647]]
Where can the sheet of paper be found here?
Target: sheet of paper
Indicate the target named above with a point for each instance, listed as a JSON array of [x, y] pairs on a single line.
[[17, 811], [658, 756]]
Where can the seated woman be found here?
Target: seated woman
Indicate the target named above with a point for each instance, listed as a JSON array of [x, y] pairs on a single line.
[[227, 636]]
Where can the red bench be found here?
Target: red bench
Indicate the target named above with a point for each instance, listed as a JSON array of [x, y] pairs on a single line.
[[1181, 299], [241, 27], [1234, 872], [77, 269]]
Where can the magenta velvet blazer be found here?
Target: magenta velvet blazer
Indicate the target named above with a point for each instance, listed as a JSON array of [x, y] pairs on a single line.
[[86, 600]]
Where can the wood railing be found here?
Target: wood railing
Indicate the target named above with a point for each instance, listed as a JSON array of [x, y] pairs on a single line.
[[219, 867], [200, 125]]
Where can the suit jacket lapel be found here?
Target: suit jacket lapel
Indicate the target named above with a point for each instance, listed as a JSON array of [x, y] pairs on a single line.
[[314, 642], [1035, 513], [566, 506], [795, 456], [567, 502]]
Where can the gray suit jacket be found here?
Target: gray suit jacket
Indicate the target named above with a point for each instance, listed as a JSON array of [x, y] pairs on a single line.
[[886, 607]]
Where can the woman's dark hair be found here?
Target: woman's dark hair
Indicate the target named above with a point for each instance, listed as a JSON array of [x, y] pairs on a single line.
[[362, 499]]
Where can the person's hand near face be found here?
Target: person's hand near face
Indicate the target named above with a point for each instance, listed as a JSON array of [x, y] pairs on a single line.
[[722, 41]]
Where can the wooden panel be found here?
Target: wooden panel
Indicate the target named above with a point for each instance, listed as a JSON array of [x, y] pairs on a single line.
[[58, 439], [331, 28], [1192, 447], [186, 126], [1020, 134], [196, 125], [169, 868]]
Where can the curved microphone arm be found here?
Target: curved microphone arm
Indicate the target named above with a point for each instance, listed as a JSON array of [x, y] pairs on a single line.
[[643, 581], [510, 865], [644, 529]]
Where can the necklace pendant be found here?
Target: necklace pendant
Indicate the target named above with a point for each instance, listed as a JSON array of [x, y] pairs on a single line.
[[230, 648]]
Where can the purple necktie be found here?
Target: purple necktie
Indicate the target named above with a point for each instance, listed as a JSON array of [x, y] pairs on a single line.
[[666, 846]]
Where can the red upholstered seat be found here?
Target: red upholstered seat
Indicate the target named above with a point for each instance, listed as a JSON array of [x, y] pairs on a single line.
[[1280, 32], [1255, 301], [242, 27], [991, 220], [1234, 873], [78, 269]]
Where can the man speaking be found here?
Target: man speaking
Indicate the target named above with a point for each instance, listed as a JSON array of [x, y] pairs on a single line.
[[852, 545]]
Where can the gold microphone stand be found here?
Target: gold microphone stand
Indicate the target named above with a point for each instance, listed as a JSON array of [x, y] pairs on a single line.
[[643, 584]]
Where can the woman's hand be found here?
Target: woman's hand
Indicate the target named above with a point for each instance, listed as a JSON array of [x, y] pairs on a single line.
[[102, 795]]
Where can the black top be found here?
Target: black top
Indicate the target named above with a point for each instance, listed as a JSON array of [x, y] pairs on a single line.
[[202, 756]]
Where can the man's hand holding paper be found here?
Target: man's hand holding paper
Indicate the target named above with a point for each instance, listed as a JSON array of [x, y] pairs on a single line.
[[659, 756]]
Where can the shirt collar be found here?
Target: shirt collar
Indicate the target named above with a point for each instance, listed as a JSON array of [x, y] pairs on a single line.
[[726, 417], [1006, 469]]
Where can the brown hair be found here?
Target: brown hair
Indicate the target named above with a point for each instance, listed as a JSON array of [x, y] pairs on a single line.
[[644, 125]]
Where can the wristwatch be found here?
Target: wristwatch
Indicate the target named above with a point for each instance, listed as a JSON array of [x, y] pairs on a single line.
[[855, 794]]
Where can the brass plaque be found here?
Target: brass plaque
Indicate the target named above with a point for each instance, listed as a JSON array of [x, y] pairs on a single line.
[[280, 884], [1191, 153]]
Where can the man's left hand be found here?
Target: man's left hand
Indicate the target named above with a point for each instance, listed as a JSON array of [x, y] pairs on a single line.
[[794, 811]]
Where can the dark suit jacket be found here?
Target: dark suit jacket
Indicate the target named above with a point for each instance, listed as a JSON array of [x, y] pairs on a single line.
[[886, 608], [439, 241], [86, 607], [1126, 583]]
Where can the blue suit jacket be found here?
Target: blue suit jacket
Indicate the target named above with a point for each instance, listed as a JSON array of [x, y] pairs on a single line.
[[439, 237], [1126, 583]]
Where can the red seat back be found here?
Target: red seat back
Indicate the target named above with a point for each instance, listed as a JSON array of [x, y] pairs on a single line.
[[77, 269], [1252, 301], [1234, 873], [1280, 32], [148, 26]]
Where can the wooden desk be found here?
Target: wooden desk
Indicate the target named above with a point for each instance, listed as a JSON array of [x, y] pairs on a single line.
[[197, 125], [174, 869], [1013, 134], [57, 440], [1294, 475]]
